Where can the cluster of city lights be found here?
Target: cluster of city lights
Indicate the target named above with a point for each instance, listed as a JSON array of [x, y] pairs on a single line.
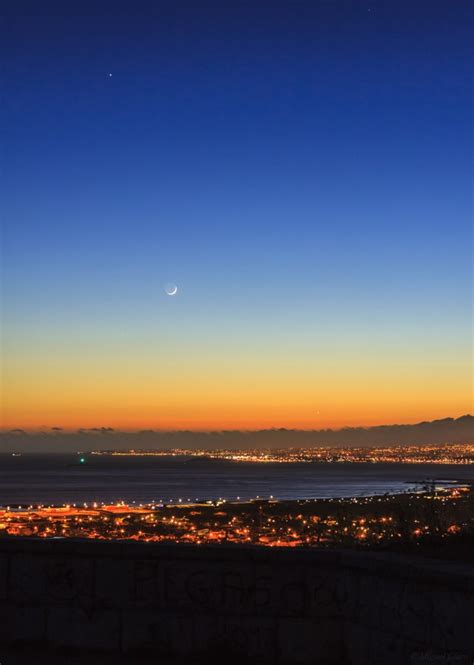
[[447, 454], [312, 523]]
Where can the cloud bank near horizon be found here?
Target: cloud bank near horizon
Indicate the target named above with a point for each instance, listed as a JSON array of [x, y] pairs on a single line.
[[447, 430]]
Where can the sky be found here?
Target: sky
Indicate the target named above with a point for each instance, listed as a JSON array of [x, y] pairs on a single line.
[[301, 170]]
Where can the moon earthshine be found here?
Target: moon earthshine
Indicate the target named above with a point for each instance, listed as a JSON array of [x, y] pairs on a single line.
[[171, 289]]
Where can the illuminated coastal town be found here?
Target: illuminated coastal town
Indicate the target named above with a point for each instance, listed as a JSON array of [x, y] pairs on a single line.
[[435, 513], [446, 454]]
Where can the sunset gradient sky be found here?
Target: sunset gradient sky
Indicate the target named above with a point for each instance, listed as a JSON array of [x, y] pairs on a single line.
[[301, 170]]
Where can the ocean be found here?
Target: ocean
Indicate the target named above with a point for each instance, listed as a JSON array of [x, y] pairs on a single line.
[[59, 479]]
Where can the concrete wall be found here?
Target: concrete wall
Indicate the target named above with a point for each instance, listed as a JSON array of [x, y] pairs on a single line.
[[275, 606]]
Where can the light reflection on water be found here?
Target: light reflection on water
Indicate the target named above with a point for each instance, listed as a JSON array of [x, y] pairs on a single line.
[[62, 479]]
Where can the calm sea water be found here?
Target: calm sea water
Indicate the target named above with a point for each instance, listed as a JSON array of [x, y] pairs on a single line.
[[59, 479]]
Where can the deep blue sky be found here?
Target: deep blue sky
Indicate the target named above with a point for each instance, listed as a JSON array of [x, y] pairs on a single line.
[[300, 169]]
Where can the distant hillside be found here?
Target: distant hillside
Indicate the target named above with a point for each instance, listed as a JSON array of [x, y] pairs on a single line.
[[447, 430]]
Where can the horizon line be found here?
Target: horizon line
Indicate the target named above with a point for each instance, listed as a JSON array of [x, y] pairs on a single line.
[[150, 430]]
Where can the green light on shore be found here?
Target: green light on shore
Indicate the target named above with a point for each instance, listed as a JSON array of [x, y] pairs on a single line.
[[82, 460]]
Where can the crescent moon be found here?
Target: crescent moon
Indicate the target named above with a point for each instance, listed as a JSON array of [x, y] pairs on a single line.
[[171, 289]]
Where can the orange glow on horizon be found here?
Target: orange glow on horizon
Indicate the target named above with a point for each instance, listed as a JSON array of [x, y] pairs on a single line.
[[227, 392], [70, 424]]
